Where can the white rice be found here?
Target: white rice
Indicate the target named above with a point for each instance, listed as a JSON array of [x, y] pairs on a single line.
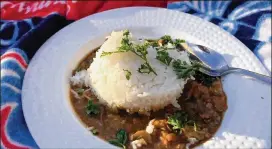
[[142, 92], [81, 77]]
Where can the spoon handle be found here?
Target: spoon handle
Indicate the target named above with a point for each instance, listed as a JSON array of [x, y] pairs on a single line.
[[261, 77]]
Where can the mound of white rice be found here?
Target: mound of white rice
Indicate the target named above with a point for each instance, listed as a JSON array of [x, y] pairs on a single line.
[[142, 92]]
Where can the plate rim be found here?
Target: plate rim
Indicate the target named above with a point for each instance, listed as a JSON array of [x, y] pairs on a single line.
[[105, 12]]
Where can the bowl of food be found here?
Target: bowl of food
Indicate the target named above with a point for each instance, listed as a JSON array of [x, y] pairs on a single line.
[[130, 83]]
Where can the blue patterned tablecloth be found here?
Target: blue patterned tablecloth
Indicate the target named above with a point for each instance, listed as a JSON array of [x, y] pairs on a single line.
[[249, 21]]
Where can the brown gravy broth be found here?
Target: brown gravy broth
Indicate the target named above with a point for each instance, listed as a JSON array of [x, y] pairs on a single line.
[[203, 104]]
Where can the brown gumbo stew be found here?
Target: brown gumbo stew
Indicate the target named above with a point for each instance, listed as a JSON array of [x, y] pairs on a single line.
[[203, 104]]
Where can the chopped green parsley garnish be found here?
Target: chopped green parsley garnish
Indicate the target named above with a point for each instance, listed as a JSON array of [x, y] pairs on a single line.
[[128, 74], [109, 53], [139, 50], [161, 48], [91, 108], [144, 68], [204, 79], [166, 39], [184, 70], [177, 42], [126, 33], [164, 57], [179, 120], [121, 139]]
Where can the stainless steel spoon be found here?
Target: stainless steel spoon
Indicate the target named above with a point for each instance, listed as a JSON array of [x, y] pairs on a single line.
[[215, 64]]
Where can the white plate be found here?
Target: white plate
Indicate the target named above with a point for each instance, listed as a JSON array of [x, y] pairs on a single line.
[[45, 96]]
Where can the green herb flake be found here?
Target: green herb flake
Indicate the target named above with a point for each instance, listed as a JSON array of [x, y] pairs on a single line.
[[91, 108], [184, 70], [126, 33], [164, 57], [128, 74], [177, 42], [109, 53], [105, 53], [124, 48], [204, 79], [144, 69], [152, 42], [121, 139], [161, 48], [121, 135], [141, 50], [166, 39], [179, 120]]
